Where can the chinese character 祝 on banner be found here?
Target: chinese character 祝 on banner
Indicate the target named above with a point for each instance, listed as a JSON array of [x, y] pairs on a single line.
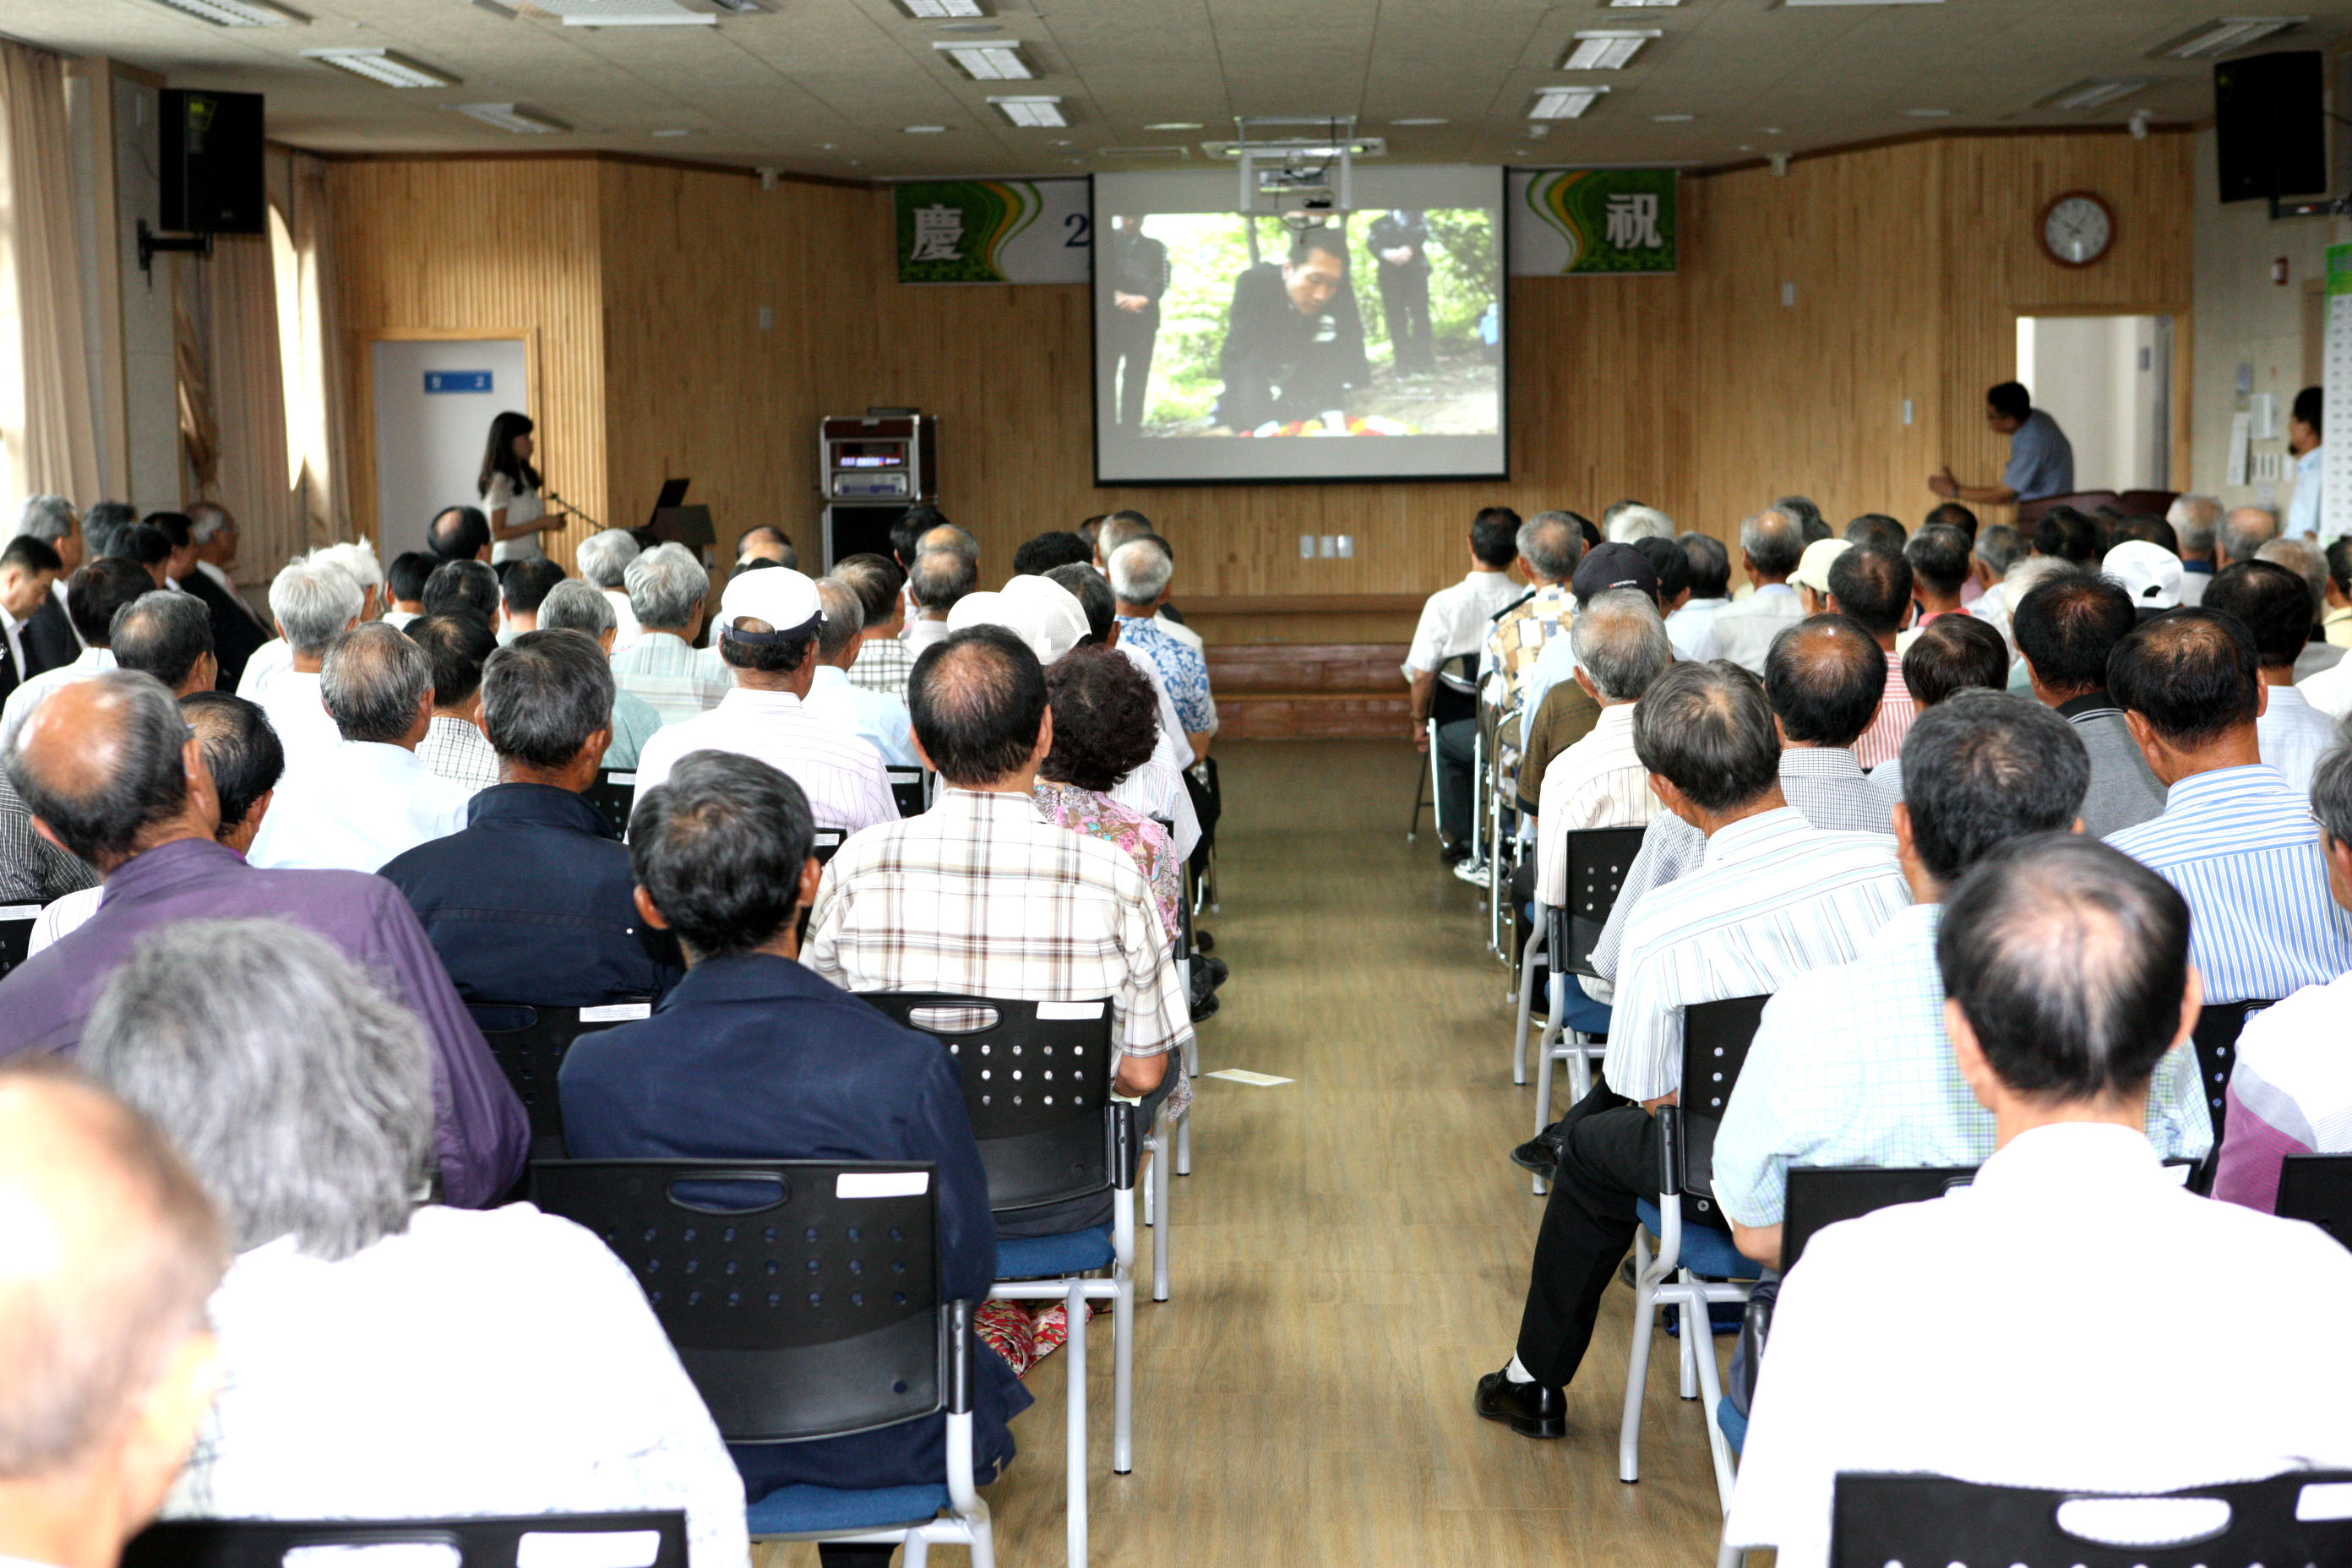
[[1634, 221]]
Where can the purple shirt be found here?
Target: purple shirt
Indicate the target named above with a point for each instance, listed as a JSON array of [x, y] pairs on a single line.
[[480, 1132]]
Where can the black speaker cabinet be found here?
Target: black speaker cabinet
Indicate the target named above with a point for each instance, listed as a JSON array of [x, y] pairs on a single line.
[[212, 163], [2271, 126]]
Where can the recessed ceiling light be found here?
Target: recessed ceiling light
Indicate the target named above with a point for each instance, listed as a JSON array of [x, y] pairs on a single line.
[[386, 66], [1175, 125], [1928, 113], [1637, 5], [1747, 147], [1421, 119], [509, 117], [1769, 130], [968, 28], [989, 62], [927, 130], [2094, 94], [1039, 111], [2220, 36], [1673, 118], [1564, 102], [1606, 51], [237, 13], [669, 130], [941, 10]]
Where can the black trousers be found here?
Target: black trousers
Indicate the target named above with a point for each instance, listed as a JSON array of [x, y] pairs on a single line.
[[1127, 341], [1611, 1159], [1404, 301], [1456, 743], [852, 1555]]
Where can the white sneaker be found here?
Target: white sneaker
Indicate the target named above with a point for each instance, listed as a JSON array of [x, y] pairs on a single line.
[[1474, 872]]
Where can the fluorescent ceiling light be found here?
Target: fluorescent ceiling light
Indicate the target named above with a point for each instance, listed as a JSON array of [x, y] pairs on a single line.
[[1417, 119], [667, 132], [2220, 36], [1673, 118], [989, 62], [1803, 2], [237, 13], [512, 117], [1564, 102], [941, 10], [1170, 151], [1175, 125], [2094, 94], [927, 130], [386, 66], [1031, 112], [1637, 5], [1606, 51], [1928, 113], [741, 7], [625, 13]]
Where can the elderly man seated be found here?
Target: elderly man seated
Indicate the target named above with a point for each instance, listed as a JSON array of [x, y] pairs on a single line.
[[113, 773], [365, 1377], [2066, 974]]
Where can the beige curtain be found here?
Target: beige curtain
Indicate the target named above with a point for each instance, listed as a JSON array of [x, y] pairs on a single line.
[[243, 399], [48, 431], [315, 430]]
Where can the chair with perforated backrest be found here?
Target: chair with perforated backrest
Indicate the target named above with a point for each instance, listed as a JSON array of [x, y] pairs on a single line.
[[1819, 1195], [2286, 1522], [529, 1043], [1036, 1086], [648, 1540], [2318, 1188], [908, 789], [614, 794], [17, 921], [804, 1300], [1157, 1143], [2216, 1039], [1696, 1266], [1456, 696], [1598, 860]]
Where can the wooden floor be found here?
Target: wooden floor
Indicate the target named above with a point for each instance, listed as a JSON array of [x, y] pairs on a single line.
[[1351, 1251]]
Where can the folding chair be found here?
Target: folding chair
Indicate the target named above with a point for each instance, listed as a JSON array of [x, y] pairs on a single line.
[[1455, 697], [1597, 862], [1500, 783], [823, 847], [651, 1540], [1696, 1267], [16, 933], [1037, 1077], [1158, 1141], [803, 1298], [529, 1043], [1820, 1195], [2216, 1039], [2318, 1187], [613, 794], [2295, 1518], [910, 790]]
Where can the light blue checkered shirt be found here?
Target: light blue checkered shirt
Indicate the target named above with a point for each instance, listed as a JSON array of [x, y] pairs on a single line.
[[2244, 850], [677, 682], [1852, 1066]]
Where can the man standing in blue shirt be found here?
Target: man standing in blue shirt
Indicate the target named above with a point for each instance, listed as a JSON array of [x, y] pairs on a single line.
[[2040, 460], [2302, 437]]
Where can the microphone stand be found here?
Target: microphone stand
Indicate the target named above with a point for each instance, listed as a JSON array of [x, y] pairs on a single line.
[[574, 510]]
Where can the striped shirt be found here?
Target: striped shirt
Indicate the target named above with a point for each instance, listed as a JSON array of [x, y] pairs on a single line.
[[1824, 782], [1852, 1066], [1773, 898], [982, 896], [1882, 742], [2293, 736], [1596, 782], [841, 773], [677, 681], [457, 750], [882, 664], [2244, 850]]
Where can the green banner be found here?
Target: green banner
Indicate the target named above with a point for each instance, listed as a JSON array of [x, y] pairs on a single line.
[[2339, 270], [1595, 220], [993, 231]]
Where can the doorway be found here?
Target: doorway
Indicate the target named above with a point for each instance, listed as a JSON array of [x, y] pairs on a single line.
[[434, 399], [2107, 381]]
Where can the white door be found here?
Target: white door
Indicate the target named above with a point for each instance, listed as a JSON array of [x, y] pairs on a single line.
[[434, 404], [2107, 381]]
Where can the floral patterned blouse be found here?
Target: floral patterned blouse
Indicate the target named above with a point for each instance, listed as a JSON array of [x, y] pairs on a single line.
[[1146, 842]]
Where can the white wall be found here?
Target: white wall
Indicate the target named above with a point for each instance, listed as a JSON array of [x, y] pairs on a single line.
[[151, 381], [2101, 378]]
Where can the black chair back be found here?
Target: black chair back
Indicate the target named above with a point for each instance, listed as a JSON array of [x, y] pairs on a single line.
[[906, 789], [2216, 1038], [16, 933], [1716, 1037], [613, 794], [529, 1043], [2318, 1187], [1036, 1085], [629, 1540], [1598, 860], [1878, 1519], [803, 1296], [1455, 695], [826, 844], [1820, 1195]]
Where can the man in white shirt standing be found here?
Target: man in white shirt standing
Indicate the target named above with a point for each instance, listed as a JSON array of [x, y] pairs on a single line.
[[1771, 544], [2067, 971], [1773, 898], [313, 602], [768, 626], [1454, 621], [2306, 509], [873, 716], [371, 798]]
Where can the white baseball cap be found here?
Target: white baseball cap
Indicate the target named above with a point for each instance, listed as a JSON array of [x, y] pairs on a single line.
[[2149, 572], [779, 596], [1813, 567]]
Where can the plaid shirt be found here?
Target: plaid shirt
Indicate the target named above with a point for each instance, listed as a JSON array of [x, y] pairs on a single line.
[[979, 895], [677, 681], [883, 665], [459, 753], [1518, 637]]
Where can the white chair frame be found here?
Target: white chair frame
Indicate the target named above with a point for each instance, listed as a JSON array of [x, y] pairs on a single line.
[[966, 1524], [1660, 1281]]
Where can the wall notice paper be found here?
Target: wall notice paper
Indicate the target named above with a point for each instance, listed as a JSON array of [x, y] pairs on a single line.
[[2336, 457], [2242, 438], [994, 231], [1243, 1075], [1591, 221]]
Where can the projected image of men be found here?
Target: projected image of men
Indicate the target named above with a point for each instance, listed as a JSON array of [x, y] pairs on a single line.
[[1136, 266], [1399, 246], [1294, 340]]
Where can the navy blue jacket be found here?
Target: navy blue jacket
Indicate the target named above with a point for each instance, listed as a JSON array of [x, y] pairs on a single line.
[[530, 902], [754, 1057]]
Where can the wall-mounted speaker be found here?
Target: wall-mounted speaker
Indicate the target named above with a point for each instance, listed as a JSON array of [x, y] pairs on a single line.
[[212, 163], [2270, 125]]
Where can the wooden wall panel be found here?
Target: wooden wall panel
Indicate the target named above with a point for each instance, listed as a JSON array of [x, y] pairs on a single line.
[[482, 248]]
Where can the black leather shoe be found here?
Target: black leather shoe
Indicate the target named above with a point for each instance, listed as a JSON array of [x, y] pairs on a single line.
[[1532, 1410], [1541, 1152], [1453, 854]]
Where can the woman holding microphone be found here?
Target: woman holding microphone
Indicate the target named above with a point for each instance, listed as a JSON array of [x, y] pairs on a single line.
[[509, 492]]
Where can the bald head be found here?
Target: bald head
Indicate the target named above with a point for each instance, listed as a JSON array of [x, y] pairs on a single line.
[[108, 767], [2245, 530], [1772, 542], [1119, 527], [977, 702], [949, 537], [1825, 677], [109, 1251]]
